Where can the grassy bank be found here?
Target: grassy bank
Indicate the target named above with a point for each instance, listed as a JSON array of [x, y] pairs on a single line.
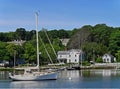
[[6, 69]]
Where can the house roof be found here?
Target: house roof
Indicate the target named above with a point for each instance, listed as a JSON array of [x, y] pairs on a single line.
[[69, 51], [108, 54], [63, 52], [74, 50]]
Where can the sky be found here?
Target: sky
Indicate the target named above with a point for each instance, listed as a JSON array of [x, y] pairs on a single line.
[[58, 14]]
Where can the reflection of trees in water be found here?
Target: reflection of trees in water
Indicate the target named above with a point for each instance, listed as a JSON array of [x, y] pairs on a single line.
[[86, 73], [4, 75], [104, 72], [90, 73]]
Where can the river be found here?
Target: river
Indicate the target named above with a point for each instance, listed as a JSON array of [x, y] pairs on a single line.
[[68, 79]]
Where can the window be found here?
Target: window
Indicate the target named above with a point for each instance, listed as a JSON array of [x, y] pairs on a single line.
[[107, 59], [104, 60], [69, 61], [60, 56], [75, 60]]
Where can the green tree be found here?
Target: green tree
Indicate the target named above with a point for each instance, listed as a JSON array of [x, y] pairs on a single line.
[[94, 50], [30, 52], [118, 55], [63, 34], [4, 52], [99, 60], [114, 44], [15, 52], [101, 34], [12, 49], [20, 34], [30, 35], [53, 34], [80, 37]]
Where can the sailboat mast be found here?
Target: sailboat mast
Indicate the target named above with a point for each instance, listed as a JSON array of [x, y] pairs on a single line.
[[36, 14]]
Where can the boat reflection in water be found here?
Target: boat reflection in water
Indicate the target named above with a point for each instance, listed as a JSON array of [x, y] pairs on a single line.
[[27, 84]]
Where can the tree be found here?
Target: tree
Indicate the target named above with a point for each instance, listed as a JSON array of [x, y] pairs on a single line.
[[114, 44], [20, 33], [80, 37], [3, 52], [63, 34], [11, 36], [101, 34], [53, 34], [94, 50], [30, 52], [30, 35], [118, 55]]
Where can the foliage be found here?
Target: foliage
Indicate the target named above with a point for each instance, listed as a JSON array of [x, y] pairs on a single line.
[[114, 44], [20, 34], [93, 40], [118, 56], [101, 34], [80, 37], [94, 50], [29, 52], [86, 63], [99, 60], [3, 52]]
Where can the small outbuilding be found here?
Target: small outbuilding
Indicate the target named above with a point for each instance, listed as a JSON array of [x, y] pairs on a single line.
[[108, 58]]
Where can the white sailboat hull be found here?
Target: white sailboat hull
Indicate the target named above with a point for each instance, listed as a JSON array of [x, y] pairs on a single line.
[[34, 77]]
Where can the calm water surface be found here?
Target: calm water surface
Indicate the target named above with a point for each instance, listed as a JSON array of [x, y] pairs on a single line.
[[69, 79]]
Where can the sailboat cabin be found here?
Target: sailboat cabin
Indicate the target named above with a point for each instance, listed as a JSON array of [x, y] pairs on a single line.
[[70, 56]]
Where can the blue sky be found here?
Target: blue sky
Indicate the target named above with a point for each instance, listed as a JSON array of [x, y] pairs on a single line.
[[58, 14]]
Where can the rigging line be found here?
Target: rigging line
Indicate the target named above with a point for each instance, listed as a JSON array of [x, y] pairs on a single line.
[[46, 51], [51, 44]]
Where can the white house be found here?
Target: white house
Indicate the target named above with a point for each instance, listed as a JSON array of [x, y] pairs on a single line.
[[70, 56], [108, 58]]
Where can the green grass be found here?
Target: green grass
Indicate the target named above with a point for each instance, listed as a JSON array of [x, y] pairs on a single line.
[[6, 69]]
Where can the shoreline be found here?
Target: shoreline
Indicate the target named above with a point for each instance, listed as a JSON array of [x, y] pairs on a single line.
[[75, 68]]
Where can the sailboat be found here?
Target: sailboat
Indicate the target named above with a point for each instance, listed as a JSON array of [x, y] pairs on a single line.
[[28, 74]]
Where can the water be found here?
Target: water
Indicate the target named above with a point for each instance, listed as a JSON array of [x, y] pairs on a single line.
[[68, 79]]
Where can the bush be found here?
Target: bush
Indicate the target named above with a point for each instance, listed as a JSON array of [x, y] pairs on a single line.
[[99, 60], [86, 63]]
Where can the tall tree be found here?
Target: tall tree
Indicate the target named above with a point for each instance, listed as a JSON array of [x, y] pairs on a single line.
[[62, 34], [101, 34], [4, 52], [118, 56], [20, 33], [114, 44], [30, 52], [93, 49], [80, 37]]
